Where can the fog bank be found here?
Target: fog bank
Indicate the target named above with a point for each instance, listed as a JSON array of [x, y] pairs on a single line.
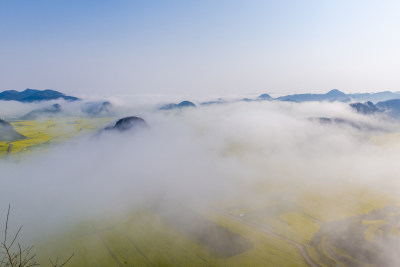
[[200, 157]]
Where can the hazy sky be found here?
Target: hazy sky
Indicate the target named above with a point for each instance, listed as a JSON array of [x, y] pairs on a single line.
[[199, 47]]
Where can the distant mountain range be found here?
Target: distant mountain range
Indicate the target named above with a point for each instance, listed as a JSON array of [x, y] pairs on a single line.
[[332, 96], [33, 95], [388, 102], [336, 95]]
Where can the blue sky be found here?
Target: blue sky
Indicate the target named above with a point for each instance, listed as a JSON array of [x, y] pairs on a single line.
[[199, 47]]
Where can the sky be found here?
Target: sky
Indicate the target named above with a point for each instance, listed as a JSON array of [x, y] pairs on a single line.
[[206, 47]]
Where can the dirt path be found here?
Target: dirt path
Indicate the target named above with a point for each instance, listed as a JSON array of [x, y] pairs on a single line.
[[269, 231]]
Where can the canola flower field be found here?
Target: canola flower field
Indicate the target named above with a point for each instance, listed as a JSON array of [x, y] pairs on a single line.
[[312, 232], [40, 133]]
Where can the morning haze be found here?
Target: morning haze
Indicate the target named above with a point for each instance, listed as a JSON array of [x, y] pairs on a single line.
[[199, 133], [199, 47]]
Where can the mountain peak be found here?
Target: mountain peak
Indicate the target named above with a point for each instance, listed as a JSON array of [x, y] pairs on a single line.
[[264, 97], [335, 92], [28, 90]]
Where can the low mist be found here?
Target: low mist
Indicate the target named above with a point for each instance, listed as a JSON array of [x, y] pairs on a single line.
[[197, 157]]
